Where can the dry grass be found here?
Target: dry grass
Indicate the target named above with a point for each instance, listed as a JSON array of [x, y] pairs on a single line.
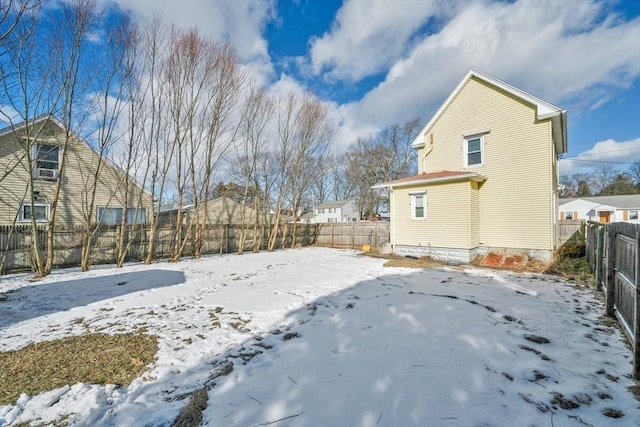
[[399, 261], [93, 358], [571, 264]]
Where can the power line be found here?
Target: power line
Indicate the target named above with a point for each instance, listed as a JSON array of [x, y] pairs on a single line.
[[597, 161]]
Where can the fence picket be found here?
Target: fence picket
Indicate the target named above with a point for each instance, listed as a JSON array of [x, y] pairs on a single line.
[[613, 252]]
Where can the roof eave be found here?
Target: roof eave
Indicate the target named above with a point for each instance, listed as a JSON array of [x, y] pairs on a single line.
[[470, 176]]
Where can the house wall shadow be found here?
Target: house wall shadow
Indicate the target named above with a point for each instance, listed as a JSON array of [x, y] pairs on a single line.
[[45, 298], [334, 338]]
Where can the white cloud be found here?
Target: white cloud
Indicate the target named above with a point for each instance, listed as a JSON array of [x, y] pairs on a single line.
[[558, 51], [368, 35], [241, 22], [609, 152]]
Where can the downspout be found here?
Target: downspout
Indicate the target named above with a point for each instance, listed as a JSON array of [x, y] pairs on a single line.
[[392, 240]]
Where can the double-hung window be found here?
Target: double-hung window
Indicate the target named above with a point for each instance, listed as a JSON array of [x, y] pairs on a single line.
[[473, 151], [46, 160], [419, 205], [40, 212]]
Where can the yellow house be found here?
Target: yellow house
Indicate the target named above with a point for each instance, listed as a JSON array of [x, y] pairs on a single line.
[[83, 167], [220, 211], [488, 177]]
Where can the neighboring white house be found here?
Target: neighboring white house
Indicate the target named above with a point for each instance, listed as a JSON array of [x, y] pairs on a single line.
[[621, 208], [336, 211]]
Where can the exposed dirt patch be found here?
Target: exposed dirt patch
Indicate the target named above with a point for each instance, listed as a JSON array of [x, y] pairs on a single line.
[[423, 262], [563, 402], [537, 339], [534, 351], [613, 413]]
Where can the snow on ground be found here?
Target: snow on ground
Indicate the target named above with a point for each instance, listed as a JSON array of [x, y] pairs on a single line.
[[328, 337]]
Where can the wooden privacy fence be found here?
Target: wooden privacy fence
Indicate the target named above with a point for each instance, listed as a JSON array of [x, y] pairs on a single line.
[[613, 252], [353, 234], [15, 243], [569, 231]]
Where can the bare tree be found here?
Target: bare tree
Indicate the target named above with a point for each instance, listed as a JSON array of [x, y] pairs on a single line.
[[151, 103], [302, 136], [385, 157], [218, 126], [204, 81], [44, 58], [69, 46], [254, 120], [634, 171], [603, 177], [110, 71], [11, 17]]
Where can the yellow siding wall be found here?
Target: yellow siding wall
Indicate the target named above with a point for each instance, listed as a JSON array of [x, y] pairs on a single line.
[[516, 207], [74, 200], [449, 222], [223, 211]]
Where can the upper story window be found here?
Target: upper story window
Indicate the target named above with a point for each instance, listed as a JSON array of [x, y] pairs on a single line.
[[40, 212], [46, 161], [633, 215], [473, 151], [568, 215]]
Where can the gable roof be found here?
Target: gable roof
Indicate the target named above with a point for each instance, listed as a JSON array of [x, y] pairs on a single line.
[[12, 128], [333, 204], [625, 201], [544, 110], [428, 178], [211, 203]]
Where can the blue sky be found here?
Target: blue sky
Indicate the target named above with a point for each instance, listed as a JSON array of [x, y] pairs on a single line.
[[379, 62]]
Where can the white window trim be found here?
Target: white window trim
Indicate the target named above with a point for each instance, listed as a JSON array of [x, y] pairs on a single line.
[[35, 148], [413, 195], [466, 140], [21, 217]]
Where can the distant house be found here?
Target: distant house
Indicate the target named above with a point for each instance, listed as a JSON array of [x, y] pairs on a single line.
[[219, 211], [336, 211], [620, 208], [488, 176], [82, 166]]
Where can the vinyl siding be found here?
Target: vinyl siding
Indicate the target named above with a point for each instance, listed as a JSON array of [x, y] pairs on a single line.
[[448, 216], [516, 201], [222, 211], [74, 199]]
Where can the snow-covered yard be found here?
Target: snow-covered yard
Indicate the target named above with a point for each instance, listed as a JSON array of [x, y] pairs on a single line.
[[322, 337]]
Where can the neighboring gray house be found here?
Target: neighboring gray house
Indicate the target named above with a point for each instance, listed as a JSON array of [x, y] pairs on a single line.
[[336, 211]]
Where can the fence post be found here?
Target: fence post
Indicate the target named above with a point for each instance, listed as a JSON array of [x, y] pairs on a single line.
[[611, 265], [376, 235], [353, 232], [636, 323], [599, 252], [332, 243]]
